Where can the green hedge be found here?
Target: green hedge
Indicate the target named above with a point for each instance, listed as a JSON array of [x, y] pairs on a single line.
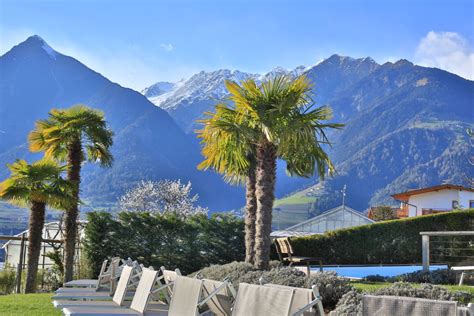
[[391, 242], [154, 239]]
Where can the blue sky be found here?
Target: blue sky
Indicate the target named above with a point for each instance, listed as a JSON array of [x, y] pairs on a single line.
[[137, 43]]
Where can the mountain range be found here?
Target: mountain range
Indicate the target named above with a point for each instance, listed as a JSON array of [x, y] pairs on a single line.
[[405, 125], [148, 144]]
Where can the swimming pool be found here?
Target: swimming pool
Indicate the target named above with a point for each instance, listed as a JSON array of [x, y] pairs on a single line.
[[386, 271]]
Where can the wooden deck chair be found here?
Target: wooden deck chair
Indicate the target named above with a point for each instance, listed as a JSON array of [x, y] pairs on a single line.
[[306, 302], [94, 294], [219, 296], [286, 255], [256, 300]]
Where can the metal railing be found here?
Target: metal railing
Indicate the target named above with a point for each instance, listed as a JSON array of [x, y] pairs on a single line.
[[425, 243]]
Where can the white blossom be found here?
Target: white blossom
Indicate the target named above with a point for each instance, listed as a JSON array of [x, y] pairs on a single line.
[[166, 196]]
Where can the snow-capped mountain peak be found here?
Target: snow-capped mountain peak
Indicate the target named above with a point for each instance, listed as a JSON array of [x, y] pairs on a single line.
[[201, 86]]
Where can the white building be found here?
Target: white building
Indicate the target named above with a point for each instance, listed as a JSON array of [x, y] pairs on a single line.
[[339, 217], [436, 199]]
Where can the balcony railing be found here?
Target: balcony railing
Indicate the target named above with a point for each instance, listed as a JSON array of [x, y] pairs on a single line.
[[427, 211]]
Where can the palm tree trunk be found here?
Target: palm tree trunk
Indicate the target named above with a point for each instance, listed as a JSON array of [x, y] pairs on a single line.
[[35, 236], [74, 175], [250, 216], [264, 190]]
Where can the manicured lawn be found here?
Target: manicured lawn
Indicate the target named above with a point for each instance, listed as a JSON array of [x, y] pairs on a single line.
[[372, 286], [27, 304]]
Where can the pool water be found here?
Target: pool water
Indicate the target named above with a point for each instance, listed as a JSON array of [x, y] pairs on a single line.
[[386, 271]]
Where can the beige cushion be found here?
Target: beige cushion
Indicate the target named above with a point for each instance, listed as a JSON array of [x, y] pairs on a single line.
[[402, 306], [301, 298], [142, 294], [121, 289], [186, 296], [262, 300]]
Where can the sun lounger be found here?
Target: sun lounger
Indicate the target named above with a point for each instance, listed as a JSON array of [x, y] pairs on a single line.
[[117, 300], [94, 294], [137, 307], [89, 282], [464, 271], [256, 300], [169, 276], [107, 278], [184, 301], [304, 300], [401, 306], [219, 295]]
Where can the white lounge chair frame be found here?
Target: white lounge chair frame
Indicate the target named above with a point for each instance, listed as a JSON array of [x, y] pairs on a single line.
[[94, 294], [464, 271]]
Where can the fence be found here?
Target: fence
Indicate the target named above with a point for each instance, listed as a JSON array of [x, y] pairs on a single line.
[[448, 247], [16, 251]]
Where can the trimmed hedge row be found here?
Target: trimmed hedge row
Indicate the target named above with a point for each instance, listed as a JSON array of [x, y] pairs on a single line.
[[391, 242], [155, 239]]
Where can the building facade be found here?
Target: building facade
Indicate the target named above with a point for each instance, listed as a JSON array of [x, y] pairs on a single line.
[[436, 199]]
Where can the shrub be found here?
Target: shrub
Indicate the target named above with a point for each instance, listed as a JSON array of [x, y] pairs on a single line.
[[350, 304], [53, 279], [440, 276], [331, 287], [237, 272], [396, 241], [383, 213], [233, 271], [428, 291], [375, 278], [164, 239], [7, 280], [285, 276]]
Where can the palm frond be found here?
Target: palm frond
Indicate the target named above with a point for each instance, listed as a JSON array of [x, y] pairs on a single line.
[[38, 182], [65, 126]]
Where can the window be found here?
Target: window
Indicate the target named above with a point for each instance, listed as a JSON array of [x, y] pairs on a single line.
[[471, 203], [455, 204]]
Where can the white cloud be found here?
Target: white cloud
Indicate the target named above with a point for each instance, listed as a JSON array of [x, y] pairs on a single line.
[[167, 47], [446, 50]]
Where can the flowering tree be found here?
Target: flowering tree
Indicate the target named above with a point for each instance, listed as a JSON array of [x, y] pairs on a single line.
[[166, 196]]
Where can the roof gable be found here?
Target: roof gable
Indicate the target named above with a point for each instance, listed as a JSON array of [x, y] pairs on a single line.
[[405, 195], [340, 208]]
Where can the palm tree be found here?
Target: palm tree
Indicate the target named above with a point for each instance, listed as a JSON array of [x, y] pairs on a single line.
[[278, 118], [230, 153], [37, 185], [73, 135]]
